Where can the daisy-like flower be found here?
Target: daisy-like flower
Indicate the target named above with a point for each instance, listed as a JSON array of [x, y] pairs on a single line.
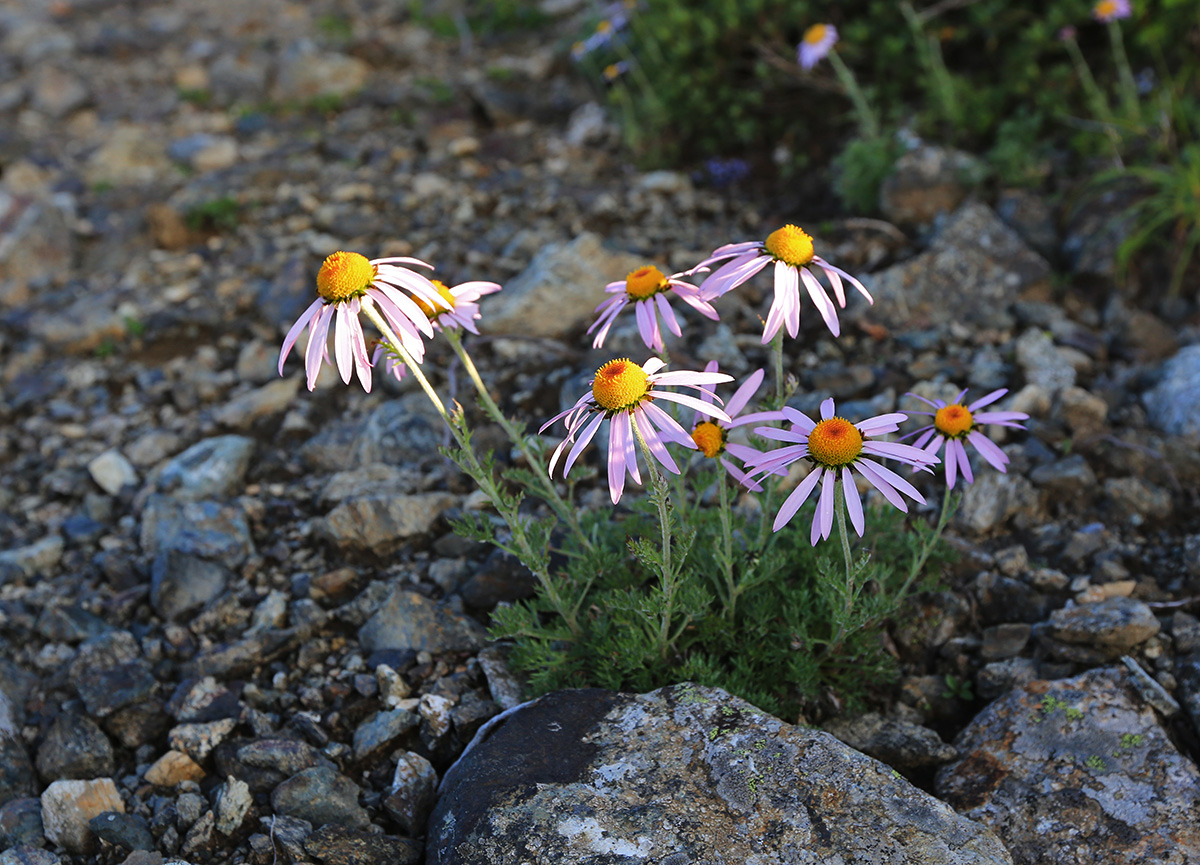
[[955, 423], [458, 306], [791, 249], [835, 446], [817, 42], [1111, 10], [649, 292], [712, 436], [623, 393], [345, 283]]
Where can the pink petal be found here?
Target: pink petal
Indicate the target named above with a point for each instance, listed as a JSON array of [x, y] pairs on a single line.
[[742, 395], [315, 351], [667, 314], [826, 503], [877, 481], [341, 342], [690, 401], [827, 408], [618, 431], [653, 442], [894, 479], [585, 437], [821, 301], [787, 293], [988, 450], [964, 462], [796, 499], [294, 332], [987, 399], [853, 502]]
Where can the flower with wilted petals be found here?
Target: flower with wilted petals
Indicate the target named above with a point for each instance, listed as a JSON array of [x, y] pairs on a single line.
[[393, 365], [623, 393], [649, 291], [458, 306], [791, 250], [712, 436], [836, 446], [346, 282], [816, 44], [955, 423], [1111, 10]]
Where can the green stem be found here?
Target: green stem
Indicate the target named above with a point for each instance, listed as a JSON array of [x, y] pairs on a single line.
[[1129, 94], [670, 581], [839, 510], [368, 307], [544, 486], [867, 121], [732, 590], [927, 546]]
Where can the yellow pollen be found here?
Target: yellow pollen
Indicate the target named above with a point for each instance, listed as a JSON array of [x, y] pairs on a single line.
[[953, 420], [710, 438], [791, 245], [444, 293], [813, 35], [1105, 9], [835, 442], [645, 282], [344, 275], [620, 384]]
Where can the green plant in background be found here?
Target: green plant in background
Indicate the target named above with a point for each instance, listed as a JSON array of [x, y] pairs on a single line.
[[860, 169], [218, 214], [939, 83]]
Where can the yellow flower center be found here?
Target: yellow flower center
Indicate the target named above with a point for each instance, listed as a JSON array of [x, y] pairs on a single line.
[[791, 245], [710, 438], [620, 384], [953, 420], [835, 442], [344, 275], [813, 35], [645, 282], [443, 293], [1106, 9]]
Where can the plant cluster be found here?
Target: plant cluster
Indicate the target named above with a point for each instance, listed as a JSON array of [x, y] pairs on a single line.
[[1016, 81], [628, 597]]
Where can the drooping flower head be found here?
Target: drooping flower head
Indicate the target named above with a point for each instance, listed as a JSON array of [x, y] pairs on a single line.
[[345, 283], [458, 306], [623, 393], [955, 423], [835, 446], [791, 249], [712, 436], [816, 44], [649, 291], [1111, 10]]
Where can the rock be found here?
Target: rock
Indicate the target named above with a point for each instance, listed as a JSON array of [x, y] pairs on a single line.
[[398, 433], [107, 690], [57, 92], [1142, 335], [67, 806], [287, 835], [1042, 363], [305, 74], [994, 499], [38, 559], [975, 268], [926, 182], [36, 245], [1002, 600], [408, 620], [1185, 632], [74, 748], [1000, 676], [1004, 641], [504, 687], [204, 152], [413, 791], [207, 529], [199, 839], [338, 845], [502, 577], [1032, 217], [198, 740], [233, 804], [181, 584], [380, 523], [213, 468], [69, 624], [127, 831], [320, 795], [1115, 625], [132, 155], [20, 823], [275, 759], [171, 768], [381, 733], [558, 292], [1077, 769], [1134, 500], [1084, 413], [246, 409], [1150, 689], [202, 700], [928, 621], [112, 472], [1065, 479], [682, 774], [899, 744], [22, 855], [1173, 405]]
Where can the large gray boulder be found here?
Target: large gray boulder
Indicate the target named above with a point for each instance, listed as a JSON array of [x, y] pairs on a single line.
[[680, 775]]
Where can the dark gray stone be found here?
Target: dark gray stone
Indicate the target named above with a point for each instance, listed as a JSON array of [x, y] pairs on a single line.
[[1174, 403], [338, 845], [181, 583], [70, 624], [900, 744], [1004, 641], [408, 620], [127, 831], [24, 855], [106, 691], [321, 795], [74, 748], [21, 823], [210, 469], [207, 529], [381, 733], [1112, 626]]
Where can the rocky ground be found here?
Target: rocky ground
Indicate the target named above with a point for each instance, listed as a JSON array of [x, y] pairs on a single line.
[[235, 625]]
